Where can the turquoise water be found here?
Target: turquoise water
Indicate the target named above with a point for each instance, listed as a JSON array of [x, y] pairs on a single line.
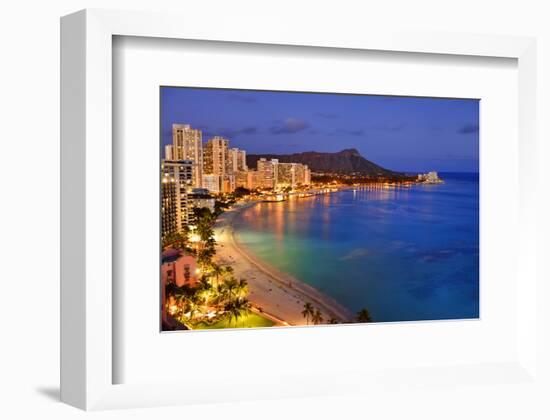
[[405, 254]]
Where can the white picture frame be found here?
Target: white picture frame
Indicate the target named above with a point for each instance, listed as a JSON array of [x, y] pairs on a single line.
[[86, 203]]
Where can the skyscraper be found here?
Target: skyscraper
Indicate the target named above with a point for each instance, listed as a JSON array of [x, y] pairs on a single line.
[[218, 161], [237, 160], [212, 183], [268, 172], [216, 156], [176, 178], [187, 145], [292, 174]]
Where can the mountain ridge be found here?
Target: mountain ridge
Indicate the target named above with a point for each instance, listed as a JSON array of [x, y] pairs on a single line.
[[344, 161]]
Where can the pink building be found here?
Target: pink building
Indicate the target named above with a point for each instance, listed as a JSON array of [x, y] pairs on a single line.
[[178, 268]]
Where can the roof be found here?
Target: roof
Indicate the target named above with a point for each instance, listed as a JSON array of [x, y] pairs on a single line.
[[170, 255]]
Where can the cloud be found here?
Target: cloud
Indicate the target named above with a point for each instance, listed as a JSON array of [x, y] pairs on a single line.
[[327, 115], [249, 130], [468, 129], [359, 132], [240, 97], [389, 127], [234, 132], [289, 126]]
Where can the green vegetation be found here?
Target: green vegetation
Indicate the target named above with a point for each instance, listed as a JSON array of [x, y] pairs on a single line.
[[317, 318], [251, 320], [178, 241], [218, 298], [308, 312], [364, 315]]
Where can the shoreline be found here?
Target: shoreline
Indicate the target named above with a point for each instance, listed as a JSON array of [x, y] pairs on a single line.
[[280, 296]]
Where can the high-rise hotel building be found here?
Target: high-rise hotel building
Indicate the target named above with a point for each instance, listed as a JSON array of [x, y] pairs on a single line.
[[176, 179], [216, 156], [187, 145], [268, 172], [237, 160], [219, 166], [292, 174]]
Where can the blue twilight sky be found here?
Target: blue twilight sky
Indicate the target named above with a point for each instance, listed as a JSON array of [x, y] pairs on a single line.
[[399, 133]]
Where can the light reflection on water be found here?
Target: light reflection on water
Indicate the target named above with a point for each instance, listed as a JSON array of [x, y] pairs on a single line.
[[406, 254]]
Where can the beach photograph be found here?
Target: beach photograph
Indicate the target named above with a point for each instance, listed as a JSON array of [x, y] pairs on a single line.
[[286, 209]]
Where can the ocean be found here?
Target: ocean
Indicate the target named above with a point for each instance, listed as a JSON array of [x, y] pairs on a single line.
[[404, 254]]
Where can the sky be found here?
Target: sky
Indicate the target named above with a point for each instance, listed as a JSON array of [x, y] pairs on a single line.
[[407, 134]]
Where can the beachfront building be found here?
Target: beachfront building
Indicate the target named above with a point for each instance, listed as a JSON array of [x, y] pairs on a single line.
[[307, 175], [267, 170], [228, 183], [255, 180], [212, 183], [216, 156], [241, 179], [292, 174], [176, 179], [200, 198], [237, 160], [219, 162], [179, 268], [285, 175], [187, 145], [429, 178], [251, 180]]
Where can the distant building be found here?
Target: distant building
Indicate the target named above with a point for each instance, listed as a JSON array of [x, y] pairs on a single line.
[[430, 178], [307, 175], [292, 174], [216, 156], [255, 180], [228, 183], [178, 268], [285, 175], [187, 145], [212, 183], [241, 179], [267, 170], [249, 179], [176, 179], [237, 160], [200, 198]]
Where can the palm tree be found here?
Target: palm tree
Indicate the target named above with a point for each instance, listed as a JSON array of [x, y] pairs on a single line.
[[236, 309], [221, 293], [241, 290], [192, 307], [317, 317], [204, 221], [364, 315], [217, 271], [332, 321], [204, 295], [308, 311], [231, 287], [204, 257], [177, 240]]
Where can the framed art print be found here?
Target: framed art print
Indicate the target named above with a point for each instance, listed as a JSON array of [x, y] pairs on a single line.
[[271, 215], [310, 214]]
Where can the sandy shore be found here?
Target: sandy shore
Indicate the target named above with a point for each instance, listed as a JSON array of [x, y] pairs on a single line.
[[279, 295]]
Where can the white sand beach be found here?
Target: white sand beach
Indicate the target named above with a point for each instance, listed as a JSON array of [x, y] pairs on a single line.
[[279, 295]]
